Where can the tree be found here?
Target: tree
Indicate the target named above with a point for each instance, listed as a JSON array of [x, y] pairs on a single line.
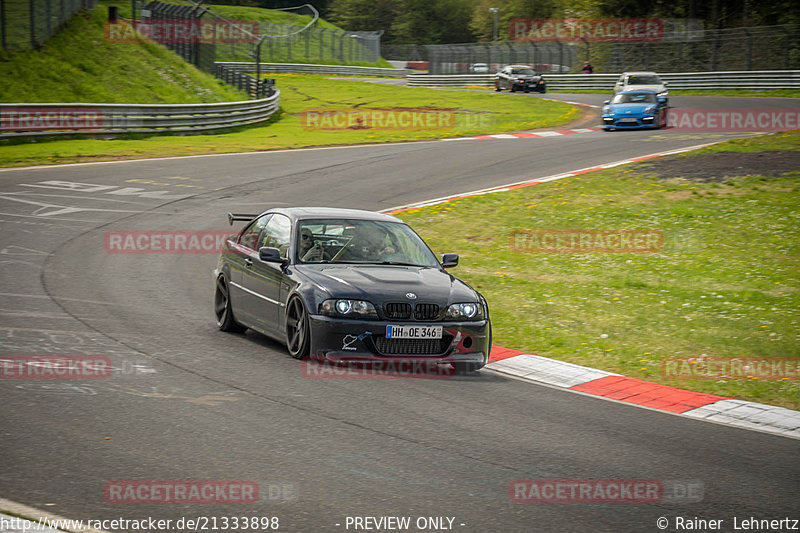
[[433, 21], [482, 20]]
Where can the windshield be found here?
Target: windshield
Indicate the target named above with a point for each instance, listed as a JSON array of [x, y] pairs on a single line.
[[523, 72], [635, 98], [361, 241], [644, 80]]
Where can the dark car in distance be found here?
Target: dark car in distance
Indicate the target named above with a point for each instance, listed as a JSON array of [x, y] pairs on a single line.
[[345, 285], [519, 78]]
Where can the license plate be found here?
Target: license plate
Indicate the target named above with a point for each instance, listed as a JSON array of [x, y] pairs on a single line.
[[628, 120], [413, 332]]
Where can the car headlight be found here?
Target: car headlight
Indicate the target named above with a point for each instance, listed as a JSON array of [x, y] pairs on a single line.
[[664, 93], [464, 311], [651, 109], [349, 308], [606, 110]]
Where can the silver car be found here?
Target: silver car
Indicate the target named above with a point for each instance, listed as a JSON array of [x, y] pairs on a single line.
[[641, 81]]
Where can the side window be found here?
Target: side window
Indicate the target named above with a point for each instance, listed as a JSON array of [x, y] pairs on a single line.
[[277, 234], [249, 236]]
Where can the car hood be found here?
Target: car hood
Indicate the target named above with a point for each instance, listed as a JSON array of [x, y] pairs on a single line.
[[654, 88], [380, 283], [630, 108], [525, 77]]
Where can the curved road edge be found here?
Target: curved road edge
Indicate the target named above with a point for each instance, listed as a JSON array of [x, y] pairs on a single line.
[[615, 387]]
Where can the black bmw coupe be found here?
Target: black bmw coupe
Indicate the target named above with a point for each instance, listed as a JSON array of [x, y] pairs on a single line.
[[343, 285]]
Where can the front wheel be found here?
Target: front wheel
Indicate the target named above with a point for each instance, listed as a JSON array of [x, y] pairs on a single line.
[[298, 333], [497, 85], [543, 90], [223, 308]]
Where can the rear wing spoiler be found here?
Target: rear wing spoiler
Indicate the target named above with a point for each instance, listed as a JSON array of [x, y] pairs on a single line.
[[235, 217]]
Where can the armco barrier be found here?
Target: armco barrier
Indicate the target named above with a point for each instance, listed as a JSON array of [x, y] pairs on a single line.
[[22, 119], [768, 79], [300, 68]]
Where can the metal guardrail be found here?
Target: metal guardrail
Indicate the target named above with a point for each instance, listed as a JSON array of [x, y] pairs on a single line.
[[34, 119], [245, 82], [300, 68], [767, 79]]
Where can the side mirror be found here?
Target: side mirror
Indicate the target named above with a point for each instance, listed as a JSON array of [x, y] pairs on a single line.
[[449, 260], [666, 83], [269, 254], [662, 100], [606, 102]]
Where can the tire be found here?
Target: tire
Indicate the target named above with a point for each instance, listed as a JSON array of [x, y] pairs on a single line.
[[497, 86], [512, 88], [223, 308], [298, 334], [543, 90]]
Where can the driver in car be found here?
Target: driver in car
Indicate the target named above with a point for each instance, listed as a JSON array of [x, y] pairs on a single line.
[[368, 243], [310, 251]]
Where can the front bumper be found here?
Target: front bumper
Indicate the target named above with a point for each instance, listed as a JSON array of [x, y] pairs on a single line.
[[530, 85], [346, 340], [630, 121]]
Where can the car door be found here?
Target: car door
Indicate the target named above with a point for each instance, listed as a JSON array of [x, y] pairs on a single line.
[[262, 280], [241, 256]]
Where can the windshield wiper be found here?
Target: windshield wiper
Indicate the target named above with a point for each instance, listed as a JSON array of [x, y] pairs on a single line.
[[400, 263]]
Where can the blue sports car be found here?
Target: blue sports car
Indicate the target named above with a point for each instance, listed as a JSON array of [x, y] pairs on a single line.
[[635, 109]]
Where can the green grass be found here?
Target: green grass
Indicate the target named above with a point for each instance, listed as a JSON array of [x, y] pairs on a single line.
[[270, 16], [79, 65], [726, 284], [475, 113], [292, 50]]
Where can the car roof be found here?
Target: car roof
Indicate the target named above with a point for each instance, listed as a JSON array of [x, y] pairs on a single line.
[[636, 91], [640, 73], [521, 66], [305, 213]]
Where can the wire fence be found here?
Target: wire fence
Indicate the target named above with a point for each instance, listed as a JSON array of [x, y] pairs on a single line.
[[755, 48], [26, 24], [283, 44], [271, 42]]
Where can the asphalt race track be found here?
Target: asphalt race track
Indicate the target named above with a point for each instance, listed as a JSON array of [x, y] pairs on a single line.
[[192, 403]]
